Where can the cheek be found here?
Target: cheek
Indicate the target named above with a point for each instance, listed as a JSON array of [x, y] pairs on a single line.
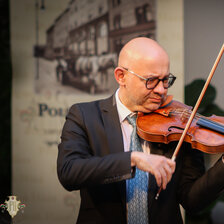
[[136, 90], [132, 88], [139, 93]]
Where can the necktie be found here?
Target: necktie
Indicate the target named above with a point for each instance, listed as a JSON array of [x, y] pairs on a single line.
[[137, 191]]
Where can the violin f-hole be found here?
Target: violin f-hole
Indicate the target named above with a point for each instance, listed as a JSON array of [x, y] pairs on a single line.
[[169, 129]]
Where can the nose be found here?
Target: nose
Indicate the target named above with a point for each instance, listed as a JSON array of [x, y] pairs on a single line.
[[159, 89]]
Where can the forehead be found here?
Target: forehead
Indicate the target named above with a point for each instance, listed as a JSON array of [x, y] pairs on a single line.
[[151, 66]]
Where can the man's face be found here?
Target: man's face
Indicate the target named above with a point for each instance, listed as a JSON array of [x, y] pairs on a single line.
[[136, 96]]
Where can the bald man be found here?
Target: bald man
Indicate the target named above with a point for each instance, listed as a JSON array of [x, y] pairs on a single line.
[[98, 157]]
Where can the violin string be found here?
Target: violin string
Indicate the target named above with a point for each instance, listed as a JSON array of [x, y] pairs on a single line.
[[185, 113]]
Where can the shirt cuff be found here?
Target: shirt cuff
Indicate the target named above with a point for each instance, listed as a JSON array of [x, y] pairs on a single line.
[[133, 170]]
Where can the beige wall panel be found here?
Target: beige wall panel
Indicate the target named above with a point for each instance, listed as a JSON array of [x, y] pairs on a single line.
[[170, 34], [39, 107]]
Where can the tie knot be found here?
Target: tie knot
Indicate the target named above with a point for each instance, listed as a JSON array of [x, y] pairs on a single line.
[[132, 119]]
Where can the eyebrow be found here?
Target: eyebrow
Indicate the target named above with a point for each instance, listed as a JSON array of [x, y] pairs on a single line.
[[148, 76], [157, 76]]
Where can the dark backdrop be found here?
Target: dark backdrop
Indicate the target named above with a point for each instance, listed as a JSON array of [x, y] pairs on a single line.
[[5, 109]]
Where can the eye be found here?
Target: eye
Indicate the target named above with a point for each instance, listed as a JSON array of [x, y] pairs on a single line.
[[166, 79], [153, 79]]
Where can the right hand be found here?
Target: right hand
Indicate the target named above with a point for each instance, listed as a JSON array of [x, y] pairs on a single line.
[[160, 166]]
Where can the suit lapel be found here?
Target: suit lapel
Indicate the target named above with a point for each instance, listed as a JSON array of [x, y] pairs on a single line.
[[114, 135], [112, 125]]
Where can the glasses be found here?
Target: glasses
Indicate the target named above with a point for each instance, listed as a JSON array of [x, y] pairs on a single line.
[[151, 83]]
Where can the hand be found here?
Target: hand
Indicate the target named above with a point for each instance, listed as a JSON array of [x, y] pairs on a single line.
[[160, 166]]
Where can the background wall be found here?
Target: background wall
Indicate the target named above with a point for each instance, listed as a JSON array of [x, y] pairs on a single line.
[[38, 116], [34, 137], [203, 38], [170, 34]]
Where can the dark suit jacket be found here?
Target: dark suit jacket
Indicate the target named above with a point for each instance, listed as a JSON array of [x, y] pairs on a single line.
[[92, 159]]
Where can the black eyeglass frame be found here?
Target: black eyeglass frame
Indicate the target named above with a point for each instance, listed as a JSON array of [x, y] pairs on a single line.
[[170, 75]]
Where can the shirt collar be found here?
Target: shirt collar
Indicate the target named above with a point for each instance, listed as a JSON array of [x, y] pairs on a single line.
[[123, 111]]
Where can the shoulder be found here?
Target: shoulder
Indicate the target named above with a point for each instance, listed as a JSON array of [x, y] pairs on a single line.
[[93, 104], [90, 108]]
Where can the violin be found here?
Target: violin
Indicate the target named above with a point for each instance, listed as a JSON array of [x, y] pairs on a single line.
[[193, 132], [168, 122]]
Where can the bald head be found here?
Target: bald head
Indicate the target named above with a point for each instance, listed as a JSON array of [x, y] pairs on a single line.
[[141, 50], [140, 59]]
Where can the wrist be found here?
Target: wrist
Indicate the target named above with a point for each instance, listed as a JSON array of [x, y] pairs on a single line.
[[134, 156], [133, 159]]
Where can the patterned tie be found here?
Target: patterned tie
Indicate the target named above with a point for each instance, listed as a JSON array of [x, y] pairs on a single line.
[[137, 192]]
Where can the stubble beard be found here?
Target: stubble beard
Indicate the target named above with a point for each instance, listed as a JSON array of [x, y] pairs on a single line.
[[146, 105]]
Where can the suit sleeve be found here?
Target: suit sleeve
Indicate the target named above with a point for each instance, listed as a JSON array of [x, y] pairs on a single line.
[[78, 165], [197, 187]]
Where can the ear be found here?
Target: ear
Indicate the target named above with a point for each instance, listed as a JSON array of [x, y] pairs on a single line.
[[119, 76]]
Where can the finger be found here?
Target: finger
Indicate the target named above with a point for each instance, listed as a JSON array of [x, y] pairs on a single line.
[[168, 171], [171, 164], [164, 178], [158, 178]]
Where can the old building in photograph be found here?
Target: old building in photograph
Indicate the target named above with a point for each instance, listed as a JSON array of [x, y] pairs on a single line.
[[129, 19], [87, 36], [89, 27]]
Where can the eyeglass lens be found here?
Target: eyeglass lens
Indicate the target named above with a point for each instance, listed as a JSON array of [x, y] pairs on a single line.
[[153, 82]]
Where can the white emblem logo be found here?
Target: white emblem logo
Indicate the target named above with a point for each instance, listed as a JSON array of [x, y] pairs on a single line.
[[12, 206]]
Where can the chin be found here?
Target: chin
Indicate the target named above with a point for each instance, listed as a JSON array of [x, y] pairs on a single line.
[[151, 108]]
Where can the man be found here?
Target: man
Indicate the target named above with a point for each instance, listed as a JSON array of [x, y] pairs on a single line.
[[98, 154]]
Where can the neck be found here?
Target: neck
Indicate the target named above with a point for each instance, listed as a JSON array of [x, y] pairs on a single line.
[[123, 98]]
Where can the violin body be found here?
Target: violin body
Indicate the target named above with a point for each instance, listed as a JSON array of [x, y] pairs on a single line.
[[168, 122]]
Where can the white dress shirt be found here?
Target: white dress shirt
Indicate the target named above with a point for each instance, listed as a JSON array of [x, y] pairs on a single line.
[[127, 128]]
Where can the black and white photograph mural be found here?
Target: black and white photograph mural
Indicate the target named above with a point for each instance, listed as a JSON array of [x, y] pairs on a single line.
[[83, 41]]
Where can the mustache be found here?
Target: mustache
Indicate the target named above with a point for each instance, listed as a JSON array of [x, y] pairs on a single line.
[[156, 96]]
